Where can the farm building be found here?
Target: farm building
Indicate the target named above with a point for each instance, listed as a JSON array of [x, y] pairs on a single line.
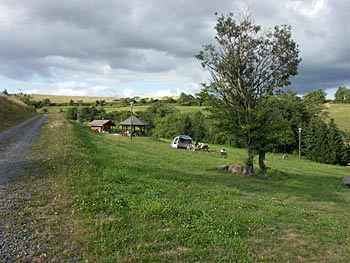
[[137, 126], [101, 125]]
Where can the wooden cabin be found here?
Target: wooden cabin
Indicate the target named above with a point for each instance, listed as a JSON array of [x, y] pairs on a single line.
[[101, 125]]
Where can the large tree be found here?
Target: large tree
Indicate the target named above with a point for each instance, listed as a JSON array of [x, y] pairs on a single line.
[[246, 65], [342, 95]]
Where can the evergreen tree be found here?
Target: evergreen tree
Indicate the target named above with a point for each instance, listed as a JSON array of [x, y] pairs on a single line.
[[316, 146], [186, 125], [199, 126], [336, 146], [325, 144]]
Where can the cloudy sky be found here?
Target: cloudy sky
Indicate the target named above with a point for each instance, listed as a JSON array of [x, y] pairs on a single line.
[[143, 48]]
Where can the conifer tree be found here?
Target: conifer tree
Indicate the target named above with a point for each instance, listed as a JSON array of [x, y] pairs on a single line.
[[336, 146], [316, 146]]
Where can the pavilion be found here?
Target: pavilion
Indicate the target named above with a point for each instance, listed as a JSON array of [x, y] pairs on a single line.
[[135, 123]]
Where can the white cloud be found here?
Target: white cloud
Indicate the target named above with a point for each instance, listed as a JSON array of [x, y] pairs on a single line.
[[311, 9], [128, 92]]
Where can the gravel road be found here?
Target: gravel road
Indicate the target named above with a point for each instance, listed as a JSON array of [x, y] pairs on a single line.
[[17, 242]]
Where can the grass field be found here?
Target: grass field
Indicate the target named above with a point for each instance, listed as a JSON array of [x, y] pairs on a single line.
[[65, 99], [116, 200], [341, 114]]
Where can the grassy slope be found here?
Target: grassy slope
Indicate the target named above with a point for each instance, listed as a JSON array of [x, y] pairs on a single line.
[[140, 201], [13, 111], [341, 114]]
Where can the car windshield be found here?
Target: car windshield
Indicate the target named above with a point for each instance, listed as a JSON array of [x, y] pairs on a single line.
[[182, 140]]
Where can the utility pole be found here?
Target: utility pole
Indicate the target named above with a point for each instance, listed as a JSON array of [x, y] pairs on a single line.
[[299, 142], [131, 106]]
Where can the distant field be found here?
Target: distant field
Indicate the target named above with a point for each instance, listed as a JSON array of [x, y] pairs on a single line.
[[341, 114], [63, 99]]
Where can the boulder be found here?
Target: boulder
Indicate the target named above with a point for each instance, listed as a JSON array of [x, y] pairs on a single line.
[[223, 167], [285, 157], [346, 181], [238, 169]]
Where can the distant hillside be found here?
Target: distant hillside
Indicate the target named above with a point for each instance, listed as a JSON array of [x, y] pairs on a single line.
[[13, 111], [65, 99], [88, 99]]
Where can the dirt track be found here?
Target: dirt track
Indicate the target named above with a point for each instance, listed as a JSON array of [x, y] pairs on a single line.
[[13, 145], [16, 239]]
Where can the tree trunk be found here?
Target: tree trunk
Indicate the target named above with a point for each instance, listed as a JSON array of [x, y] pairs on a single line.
[[262, 165], [249, 162]]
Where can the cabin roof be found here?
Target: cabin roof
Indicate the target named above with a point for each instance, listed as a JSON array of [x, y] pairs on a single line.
[[101, 123]]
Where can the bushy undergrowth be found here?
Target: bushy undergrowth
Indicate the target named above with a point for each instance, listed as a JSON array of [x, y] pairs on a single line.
[[141, 201]]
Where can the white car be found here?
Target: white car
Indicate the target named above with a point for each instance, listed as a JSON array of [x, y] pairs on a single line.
[[182, 142]]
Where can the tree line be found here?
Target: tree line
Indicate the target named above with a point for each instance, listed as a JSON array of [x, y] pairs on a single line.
[[320, 141], [183, 100]]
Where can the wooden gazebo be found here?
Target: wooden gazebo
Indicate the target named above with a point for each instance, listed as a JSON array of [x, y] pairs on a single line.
[[138, 126]]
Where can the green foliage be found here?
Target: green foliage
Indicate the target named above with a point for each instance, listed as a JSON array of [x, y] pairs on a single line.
[[71, 102], [200, 126], [100, 103], [337, 152], [246, 66], [71, 113], [316, 144], [13, 111], [314, 101], [324, 143], [317, 96], [295, 113], [342, 95]]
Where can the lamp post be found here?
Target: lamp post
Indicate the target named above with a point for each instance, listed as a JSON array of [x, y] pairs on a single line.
[[299, 129], [131, 106]]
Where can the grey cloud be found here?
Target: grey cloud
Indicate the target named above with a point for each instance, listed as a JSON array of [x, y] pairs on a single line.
[[158, 36]]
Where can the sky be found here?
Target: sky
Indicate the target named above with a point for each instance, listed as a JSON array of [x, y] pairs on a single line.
[[127, 48]]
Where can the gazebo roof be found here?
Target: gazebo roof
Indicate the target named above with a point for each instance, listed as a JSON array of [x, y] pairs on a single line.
[[135, 122]]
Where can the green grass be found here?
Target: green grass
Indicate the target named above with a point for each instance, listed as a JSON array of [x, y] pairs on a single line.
[[341, 114], [141, 201], [13, 111]]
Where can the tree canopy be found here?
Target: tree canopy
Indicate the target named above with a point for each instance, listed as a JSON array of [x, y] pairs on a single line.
[[342, 95], [246, 65]]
